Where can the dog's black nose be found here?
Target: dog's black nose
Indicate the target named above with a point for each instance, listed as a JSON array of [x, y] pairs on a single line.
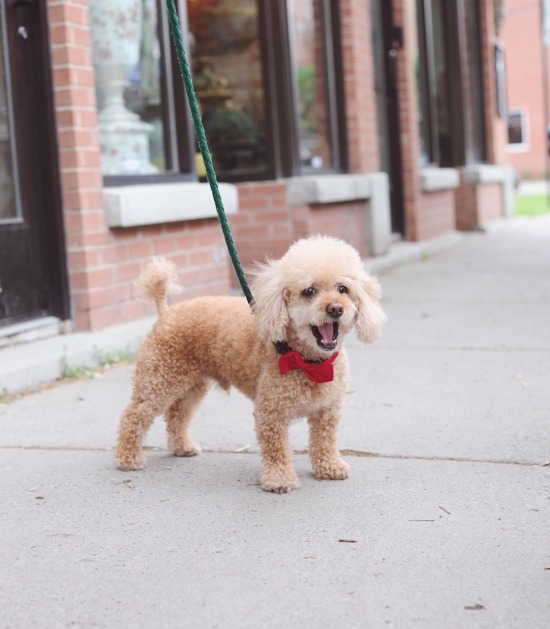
[[335, 310]]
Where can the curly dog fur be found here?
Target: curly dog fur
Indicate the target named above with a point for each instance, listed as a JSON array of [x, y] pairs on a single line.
[[309, 299]]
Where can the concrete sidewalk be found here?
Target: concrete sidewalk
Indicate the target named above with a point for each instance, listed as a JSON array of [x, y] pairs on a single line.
[[443, 523]]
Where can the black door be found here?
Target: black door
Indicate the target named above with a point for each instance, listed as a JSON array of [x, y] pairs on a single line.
[[386, 38], [32, 265]]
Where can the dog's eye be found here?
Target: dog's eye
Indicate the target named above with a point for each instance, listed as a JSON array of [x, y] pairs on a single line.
[[309, 291], [343, 289]]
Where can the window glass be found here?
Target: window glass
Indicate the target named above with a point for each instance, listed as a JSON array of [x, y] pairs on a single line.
[[309, 60], [517, 131], [8, 206], [476, 150], [441, 71], [420, 71], [227, 75], [128, 73]]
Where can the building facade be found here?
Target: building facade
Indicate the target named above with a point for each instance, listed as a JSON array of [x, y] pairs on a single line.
[[369, 120], [526, 41]]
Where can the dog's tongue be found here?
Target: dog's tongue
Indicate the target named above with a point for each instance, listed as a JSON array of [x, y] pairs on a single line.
[[327, 331]]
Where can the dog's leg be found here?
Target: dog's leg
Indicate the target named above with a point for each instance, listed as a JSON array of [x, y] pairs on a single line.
[[135, 421], [323, 450], [278, 475], [178, 418]]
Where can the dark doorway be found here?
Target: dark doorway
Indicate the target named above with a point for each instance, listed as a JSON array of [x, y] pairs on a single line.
[[387, 39], [32, 262]]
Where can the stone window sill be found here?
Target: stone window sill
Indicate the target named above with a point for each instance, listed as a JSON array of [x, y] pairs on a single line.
[[434, 179], [487, 173], [132, 206], [319, 189]]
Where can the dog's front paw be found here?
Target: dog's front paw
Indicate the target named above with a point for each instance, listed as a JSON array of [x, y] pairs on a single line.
[[131, 463], [332, 470], [189, 448], [279, 483]]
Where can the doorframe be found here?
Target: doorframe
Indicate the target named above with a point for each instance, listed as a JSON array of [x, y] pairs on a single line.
[[51, 223], [391, 42], [55, 250]]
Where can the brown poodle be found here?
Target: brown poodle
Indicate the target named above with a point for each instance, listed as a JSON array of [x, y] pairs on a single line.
[[287, 357]]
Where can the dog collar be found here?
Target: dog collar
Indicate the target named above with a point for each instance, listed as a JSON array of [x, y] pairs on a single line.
[[319, 371]]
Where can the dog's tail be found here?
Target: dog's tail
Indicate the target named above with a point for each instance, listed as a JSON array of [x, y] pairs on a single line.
[[157, 281]]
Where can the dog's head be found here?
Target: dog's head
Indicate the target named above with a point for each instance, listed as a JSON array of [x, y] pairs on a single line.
[[315, 294]]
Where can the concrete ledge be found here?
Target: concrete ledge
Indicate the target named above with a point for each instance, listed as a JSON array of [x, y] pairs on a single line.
[[131, 206], [26, 366], [405, 252], [486, 173], [327, 189], [434, 179], [480, 174], [29, 331]]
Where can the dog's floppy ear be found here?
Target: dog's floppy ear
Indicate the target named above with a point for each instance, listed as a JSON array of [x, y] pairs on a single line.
[[269, 304], [370, 317]]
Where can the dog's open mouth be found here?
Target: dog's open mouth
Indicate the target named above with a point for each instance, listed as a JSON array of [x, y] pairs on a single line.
[[326, 335]]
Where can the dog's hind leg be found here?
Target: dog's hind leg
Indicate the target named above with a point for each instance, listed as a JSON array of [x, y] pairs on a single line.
[[134, 424], [178, 418]]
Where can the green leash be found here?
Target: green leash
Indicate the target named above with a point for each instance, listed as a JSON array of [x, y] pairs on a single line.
[[203, 145]]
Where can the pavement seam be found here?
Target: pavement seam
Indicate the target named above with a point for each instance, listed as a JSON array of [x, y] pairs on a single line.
[[343, 452]]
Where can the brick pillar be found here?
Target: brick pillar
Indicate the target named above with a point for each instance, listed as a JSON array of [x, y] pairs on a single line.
[[358, 65], [81, 179], [496, 128], [408, 115]]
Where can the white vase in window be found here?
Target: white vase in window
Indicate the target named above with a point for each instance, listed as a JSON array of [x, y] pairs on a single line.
[[116, 28]]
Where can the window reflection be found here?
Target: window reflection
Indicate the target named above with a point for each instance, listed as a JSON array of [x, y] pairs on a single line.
[[8, 207], [227, 76], [308, 43], [126, 56]]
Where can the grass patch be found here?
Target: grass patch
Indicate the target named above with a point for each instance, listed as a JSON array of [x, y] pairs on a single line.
[[107, 359], [103, 360], [531, 205], [77, 372]]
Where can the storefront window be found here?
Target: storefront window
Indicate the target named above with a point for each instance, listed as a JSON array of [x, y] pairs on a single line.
[[451, 87], [8, 205], [267, 77], [128, 72], [308, 45], [227, 75]]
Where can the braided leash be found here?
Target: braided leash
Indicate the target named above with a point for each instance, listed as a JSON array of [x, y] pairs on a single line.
[[203, 146]]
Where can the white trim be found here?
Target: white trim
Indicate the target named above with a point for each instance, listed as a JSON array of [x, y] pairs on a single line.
[[486, 173], [434, 179], [131, 206], [327, 189], [324, 189]]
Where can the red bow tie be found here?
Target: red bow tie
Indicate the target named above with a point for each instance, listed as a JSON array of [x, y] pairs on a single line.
[[316, 372]]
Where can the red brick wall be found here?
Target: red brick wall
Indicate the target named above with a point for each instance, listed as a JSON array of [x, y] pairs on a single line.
[[266, 225], [408, 116], [489, 203], [359, 82], [435, 215], [495, 127], [521, 35], [478, 205], [102, 263]]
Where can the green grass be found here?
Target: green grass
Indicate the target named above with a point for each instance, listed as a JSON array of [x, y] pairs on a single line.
[[102, 359], [532, 205]]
